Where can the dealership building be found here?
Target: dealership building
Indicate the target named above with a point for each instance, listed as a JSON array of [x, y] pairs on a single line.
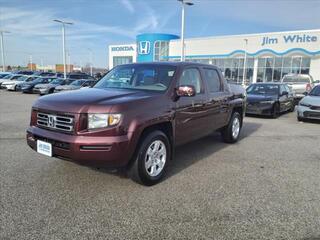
[[262, 57]]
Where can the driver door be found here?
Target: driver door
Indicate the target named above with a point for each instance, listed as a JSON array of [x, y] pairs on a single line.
[[191, 114]]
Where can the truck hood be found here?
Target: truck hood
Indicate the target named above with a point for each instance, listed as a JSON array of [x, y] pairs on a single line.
[[92, 100]]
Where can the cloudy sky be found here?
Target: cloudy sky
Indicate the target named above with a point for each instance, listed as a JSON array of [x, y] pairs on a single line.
[[98, 23]]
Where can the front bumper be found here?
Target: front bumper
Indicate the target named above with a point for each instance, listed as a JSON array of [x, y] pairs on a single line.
[[27, 90], [40, 90], [110, 151], [9, 87], [307, 113], [259, 109]]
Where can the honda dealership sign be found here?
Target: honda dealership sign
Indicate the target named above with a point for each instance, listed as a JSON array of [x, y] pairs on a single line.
[[144, 47]]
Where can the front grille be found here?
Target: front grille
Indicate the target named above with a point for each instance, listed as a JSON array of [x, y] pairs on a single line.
[[55, 122], [312, 115], [315, 107]]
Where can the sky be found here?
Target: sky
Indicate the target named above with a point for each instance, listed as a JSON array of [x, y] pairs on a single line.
[[99, 23]]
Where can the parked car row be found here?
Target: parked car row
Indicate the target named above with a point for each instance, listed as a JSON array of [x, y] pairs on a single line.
[[44, 83], [275, 98]]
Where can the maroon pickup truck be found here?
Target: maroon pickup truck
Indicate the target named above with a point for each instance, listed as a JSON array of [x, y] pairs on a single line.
[[136, 115]]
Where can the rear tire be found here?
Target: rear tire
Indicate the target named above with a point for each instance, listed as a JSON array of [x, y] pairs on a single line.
[[231, 132], [151, 159]]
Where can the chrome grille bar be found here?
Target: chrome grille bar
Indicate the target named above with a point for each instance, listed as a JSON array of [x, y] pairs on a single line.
[[55, 122]]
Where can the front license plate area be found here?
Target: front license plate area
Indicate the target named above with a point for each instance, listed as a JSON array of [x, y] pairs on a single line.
[[44, 148]]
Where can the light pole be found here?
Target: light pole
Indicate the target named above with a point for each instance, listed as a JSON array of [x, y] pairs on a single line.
[[2, 50], [244, 62], [69, 62], [63, 44], [183, 3], [91, 59], [30, 60]]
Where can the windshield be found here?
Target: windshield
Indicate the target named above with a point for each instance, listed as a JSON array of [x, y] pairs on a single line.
[[23, 78], [29, 79], [315, 91], [3, 75], [143, 77], [15, 77], [296, 79], [57, 81], [38, 80], [77, 83], [8, 77], [263, 89]]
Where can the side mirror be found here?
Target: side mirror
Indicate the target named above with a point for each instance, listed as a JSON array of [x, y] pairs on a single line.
[[305, 93], [186, 91], [284, 93]]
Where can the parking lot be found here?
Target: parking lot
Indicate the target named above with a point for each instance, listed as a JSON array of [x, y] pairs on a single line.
[[267, 186]]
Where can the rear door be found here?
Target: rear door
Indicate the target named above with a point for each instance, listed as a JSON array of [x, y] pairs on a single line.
[[191, 115], [217, 103]]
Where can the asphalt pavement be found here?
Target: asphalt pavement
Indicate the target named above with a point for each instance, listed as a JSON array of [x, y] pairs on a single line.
[[266, 186]]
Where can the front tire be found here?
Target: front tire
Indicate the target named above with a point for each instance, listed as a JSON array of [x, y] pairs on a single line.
[[300, 119], [151, 159], [231, 133], [276, 110]]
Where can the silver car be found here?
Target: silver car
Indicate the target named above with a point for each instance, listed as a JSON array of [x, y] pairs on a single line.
[[299, 83], [309, 106]]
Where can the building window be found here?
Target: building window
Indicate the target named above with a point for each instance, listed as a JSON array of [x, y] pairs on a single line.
[[272, 69], [161, 50], [122, 60]]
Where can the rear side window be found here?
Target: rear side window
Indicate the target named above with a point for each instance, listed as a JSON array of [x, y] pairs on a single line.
[[213, 80], [282, 89], [191, 76]]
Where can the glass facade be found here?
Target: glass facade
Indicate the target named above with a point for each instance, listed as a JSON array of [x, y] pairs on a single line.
[[122, 60], [269, 69], [272, 69], [161, 50], [232, 68]]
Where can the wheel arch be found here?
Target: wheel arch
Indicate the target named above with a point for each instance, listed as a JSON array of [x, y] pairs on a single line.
[[166, 127]]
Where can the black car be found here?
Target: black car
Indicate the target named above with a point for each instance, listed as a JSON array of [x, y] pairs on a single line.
[[25, 72], [50, 74], [269, 99], [28, 86], [79, 76]]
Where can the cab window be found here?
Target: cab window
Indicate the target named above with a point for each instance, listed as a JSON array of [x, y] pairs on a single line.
[[191, 76], [212, 79]]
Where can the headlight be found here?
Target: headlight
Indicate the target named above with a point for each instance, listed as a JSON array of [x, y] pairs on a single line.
[[101, 120], [267, 102], [304, 104]]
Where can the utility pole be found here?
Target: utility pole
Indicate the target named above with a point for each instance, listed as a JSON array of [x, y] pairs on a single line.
[[2, 50], [91, 59], [30, 61], [63, 44], [244, 62], [183, 3]]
